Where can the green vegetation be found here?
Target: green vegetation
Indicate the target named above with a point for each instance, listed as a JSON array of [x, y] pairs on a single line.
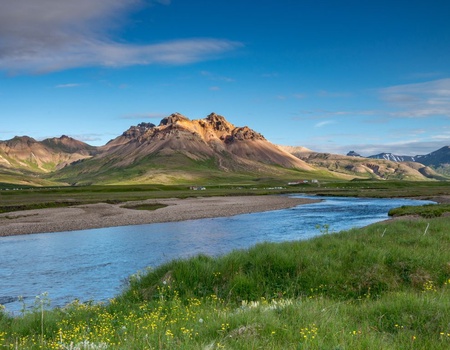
[[425, 211], [386, 286], [22, 197], [146, 206]]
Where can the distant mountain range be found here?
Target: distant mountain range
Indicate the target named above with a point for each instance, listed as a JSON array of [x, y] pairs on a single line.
[[355, 166], [181, 151], [439, 160]]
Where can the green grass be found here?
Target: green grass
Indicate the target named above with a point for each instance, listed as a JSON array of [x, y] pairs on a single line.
[[425, 211], [386, 286], [146, 206], [28, 197]]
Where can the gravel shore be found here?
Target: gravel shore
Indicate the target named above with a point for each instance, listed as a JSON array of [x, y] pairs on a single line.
[[99, 215]]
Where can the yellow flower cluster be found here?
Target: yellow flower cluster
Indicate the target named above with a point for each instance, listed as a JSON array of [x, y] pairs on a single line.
[[429, 286], [95, 326], [309, 333]]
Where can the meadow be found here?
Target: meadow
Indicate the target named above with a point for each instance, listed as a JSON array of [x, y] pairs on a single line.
[[385, 286], [16, 197]]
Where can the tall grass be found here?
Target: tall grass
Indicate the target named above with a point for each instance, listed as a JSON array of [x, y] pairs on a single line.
[[386, 286]]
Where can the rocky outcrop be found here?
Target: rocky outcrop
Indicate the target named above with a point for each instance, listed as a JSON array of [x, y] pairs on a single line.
[[138, 130], [353, 154]]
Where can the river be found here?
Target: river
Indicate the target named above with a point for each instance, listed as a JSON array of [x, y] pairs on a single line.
[[93, 265]]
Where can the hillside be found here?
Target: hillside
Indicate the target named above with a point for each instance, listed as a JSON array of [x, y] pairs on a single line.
[[42, 156], [436, 159], [357, 166], [181, 150]]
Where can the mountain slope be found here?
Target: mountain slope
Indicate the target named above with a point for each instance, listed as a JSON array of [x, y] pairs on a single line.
[[365, 167], [437, 158], [393, 157], [42, 156], [213, 136], [180, 149]]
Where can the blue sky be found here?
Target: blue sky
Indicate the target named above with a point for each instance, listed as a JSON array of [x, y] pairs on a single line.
[[333, 76]]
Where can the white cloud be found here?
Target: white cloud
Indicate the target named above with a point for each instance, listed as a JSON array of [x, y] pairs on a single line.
[[42, 36], [444, 137], [324, 123], [420, 100]]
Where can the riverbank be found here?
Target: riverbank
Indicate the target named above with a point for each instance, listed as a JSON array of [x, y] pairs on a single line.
[[386, 285], [101, 215]]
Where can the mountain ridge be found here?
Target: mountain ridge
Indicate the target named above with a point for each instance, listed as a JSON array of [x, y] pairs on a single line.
[[179, 149], [438, 160], [355, 165]]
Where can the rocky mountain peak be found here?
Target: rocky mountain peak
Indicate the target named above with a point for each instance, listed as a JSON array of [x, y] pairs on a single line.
[[138, 130], [173, 119], [219, 123], [21, 141], [244, 133]]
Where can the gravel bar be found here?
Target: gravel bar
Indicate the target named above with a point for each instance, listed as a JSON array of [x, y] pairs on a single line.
[[89, 216]]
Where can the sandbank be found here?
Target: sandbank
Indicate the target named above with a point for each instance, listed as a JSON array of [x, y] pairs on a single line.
[[90, 216]]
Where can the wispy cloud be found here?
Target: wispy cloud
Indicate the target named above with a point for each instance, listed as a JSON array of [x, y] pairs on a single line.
[[42, 36], [419, 100], [216, 77], [324, 123], [65, 86], [87, 137]]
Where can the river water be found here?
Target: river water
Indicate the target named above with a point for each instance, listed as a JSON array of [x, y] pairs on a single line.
[[93, 265]]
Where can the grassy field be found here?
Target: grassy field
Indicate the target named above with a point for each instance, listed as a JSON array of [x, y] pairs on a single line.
[[14, 197], [386, 286]]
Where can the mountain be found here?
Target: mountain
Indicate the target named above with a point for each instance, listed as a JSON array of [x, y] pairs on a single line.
[[199, 139], [182, 150], [23, 152], [353, 154], [437, 158], [393, 157], [355, 166]]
